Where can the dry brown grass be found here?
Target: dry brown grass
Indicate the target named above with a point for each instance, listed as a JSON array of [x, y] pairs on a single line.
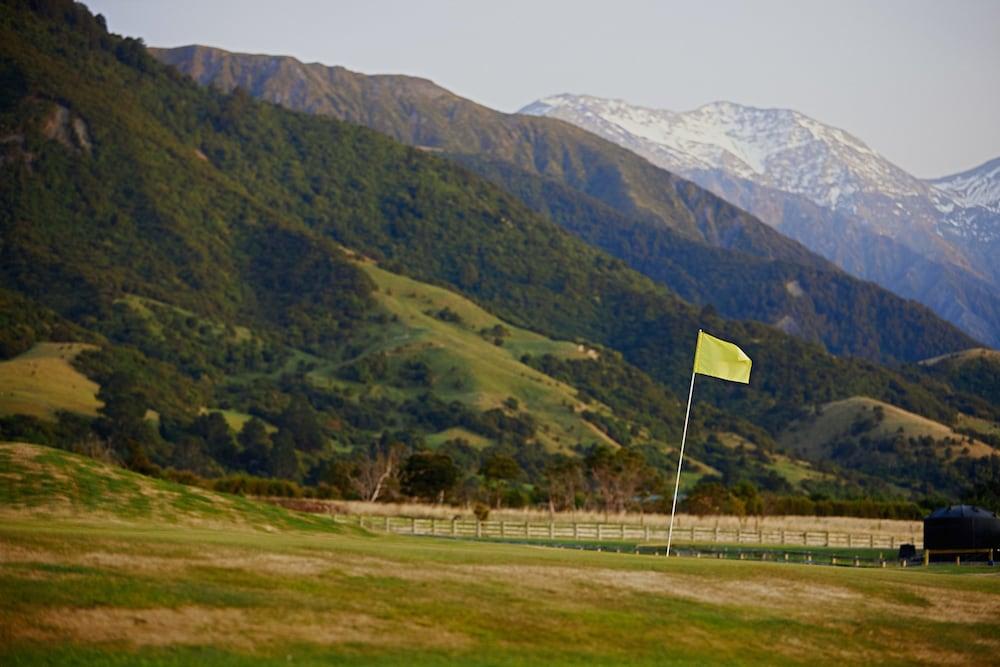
[[42, 381], [240, 629], [682, 521], [814, 434]]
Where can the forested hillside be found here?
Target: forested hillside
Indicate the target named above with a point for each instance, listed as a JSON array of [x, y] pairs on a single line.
[[659, 224], [206, 244]]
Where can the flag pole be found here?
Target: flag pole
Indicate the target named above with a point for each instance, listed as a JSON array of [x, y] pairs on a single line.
[[680, 457]]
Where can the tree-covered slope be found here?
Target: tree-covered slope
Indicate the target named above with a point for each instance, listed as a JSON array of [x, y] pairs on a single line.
[[847, 316], [674, 232], [223, 205], [199, 240]]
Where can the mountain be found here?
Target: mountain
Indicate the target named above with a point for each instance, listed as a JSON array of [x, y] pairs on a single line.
[[420, 113], [706, 250], [977, 187], [217, 252], [827, 189]]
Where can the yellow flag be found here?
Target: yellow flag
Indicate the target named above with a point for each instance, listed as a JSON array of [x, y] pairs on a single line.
[[721, 359]]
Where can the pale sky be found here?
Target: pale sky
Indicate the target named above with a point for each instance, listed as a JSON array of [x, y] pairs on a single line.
[[918, 80]]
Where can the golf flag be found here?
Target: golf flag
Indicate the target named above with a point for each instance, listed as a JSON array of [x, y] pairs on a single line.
[[718, 358], [721, 359]]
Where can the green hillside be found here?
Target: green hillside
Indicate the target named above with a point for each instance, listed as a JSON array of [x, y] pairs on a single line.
[[808, 300], [664, 227], [52, 485], [205, 244]]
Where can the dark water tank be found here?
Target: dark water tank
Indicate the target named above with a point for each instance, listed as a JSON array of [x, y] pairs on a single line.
[[961, 527]]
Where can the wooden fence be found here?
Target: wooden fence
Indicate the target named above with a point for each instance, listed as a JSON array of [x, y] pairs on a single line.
[[607, 532]]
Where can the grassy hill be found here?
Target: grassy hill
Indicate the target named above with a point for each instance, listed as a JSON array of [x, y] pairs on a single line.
[[47, 484], [200, 581], [43, 381], [860, 416], [459, 343], [890, 446]]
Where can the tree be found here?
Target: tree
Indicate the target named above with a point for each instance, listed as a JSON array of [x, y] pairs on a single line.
[[373, 471], [123, 422], [283, 462], [213, 429], [300, 420], [499, 470], [564, 479], [616, 476], [428, 475], [256, 443]]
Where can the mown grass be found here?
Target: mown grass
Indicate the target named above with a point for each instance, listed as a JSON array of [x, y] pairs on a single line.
[[396, 600], [100, 581]]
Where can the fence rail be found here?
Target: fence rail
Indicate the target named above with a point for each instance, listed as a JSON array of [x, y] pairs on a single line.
[[608, 532]]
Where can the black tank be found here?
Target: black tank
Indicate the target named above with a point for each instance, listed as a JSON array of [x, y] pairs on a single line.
[[961, 527]]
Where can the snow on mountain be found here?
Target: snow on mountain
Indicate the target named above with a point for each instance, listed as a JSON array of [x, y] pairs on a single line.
[[785, 151], [976, 187], [768, 146]]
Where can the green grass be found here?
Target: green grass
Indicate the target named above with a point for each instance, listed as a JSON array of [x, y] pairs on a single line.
[[44, 482], [106, 586], [166, 595], [468, 366], [793, 470]]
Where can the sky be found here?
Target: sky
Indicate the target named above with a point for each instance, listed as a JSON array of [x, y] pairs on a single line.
[[917, 80]]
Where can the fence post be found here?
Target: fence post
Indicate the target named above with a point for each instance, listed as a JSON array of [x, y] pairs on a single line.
[[646, 533], [621, 532], [600, 535], [433, 526], [576, 532], [413, 525], [503, 528], [453, 530], [715, 537], [849, 541], [479, 527], [782, 535], [828, 538]]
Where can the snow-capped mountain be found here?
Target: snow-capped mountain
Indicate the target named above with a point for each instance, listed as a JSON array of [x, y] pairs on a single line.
[[827, 189], [767, 146], [787, 151], [976, 187]]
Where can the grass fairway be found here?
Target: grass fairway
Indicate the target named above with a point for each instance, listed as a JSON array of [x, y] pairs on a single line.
[[260, 586]]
